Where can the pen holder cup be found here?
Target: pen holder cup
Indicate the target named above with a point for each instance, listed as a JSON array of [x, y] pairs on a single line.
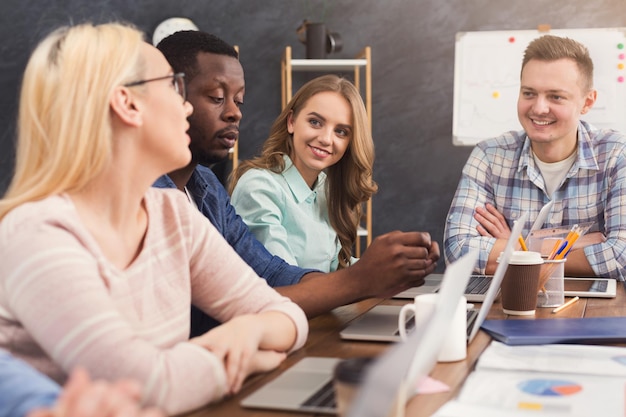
[[551, 283], [543, 245]]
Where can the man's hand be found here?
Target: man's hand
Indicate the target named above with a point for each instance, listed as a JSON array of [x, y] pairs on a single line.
[[491, 222], [392, 263], [396, 261]]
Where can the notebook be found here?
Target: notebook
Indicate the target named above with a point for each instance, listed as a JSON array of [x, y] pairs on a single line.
[[550, 331], [307, 386], [380, 324]]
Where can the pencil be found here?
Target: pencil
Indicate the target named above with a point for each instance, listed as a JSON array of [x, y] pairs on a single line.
[[569, 303], [522, 243]]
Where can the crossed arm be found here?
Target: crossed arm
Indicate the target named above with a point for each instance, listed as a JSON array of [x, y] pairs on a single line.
[[493, 224]]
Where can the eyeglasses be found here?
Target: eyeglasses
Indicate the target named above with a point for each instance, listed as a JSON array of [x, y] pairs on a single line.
[[178, 81]]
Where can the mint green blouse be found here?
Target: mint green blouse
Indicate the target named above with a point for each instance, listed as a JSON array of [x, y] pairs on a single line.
[[288, 217]]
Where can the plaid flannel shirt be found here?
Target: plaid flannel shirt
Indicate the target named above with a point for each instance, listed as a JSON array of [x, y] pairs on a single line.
[[503, 172]]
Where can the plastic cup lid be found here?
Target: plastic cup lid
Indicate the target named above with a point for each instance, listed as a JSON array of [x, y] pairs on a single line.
[[521, 257]]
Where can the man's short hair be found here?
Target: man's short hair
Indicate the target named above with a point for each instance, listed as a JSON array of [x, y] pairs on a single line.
[[182, 48], [552, 48]]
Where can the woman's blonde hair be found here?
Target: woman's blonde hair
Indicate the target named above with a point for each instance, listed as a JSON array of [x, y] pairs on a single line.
[[64, 123], [349, 182]]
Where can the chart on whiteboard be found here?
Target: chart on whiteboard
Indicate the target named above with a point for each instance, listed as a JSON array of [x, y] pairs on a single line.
[[487, 74]]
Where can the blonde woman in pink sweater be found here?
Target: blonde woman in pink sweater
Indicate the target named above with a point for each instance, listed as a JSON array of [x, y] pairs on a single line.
[[99, 270]]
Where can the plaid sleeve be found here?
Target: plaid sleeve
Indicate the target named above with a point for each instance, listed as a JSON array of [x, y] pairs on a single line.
[[474, 190]]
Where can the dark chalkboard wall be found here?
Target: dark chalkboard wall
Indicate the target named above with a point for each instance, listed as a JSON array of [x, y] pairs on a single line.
[[417, 167]]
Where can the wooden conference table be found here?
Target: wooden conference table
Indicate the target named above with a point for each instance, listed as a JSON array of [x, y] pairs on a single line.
[[324, 340]]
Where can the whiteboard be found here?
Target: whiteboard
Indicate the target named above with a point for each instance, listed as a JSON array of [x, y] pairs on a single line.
[[487, 75]]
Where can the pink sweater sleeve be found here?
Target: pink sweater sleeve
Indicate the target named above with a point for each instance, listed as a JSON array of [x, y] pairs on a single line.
[[62, 304], [238, 290]]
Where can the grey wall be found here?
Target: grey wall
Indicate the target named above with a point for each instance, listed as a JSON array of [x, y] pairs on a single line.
[[417, 167]]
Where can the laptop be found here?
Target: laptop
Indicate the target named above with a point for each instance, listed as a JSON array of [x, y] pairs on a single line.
[[474, 292], [308, 385], [478, 284], [380, 324]]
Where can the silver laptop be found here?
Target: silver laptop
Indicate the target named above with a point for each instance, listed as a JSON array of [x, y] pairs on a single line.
[[475, 291], [380, 324], [307, 386]]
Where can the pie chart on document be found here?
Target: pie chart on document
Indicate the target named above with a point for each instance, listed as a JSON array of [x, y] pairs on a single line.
[[549, 387]]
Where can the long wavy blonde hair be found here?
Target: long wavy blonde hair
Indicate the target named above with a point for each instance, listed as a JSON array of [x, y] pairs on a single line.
[[349, 182], [64, 123]]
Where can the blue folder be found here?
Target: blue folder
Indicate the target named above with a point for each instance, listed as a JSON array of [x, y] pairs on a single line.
[[546, 331]]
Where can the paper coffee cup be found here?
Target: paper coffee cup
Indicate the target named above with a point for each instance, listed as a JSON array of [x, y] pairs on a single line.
[[520, 283]]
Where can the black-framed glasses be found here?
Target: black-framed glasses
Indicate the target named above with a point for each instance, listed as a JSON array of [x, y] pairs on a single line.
[[178, 81]]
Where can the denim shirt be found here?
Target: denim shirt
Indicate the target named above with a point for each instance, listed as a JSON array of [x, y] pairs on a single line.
[[212, 200], [22, 388]]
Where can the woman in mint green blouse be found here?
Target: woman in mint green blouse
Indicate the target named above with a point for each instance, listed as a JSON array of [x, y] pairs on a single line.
[[302, 196]]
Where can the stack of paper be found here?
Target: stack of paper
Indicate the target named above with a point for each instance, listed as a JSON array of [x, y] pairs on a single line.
[[548, 380]]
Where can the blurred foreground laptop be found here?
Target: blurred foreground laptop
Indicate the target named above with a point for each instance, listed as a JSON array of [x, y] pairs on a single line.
[[308, 385], [380, 324]]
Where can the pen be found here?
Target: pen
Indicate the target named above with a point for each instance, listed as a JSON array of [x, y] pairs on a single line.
[[522, 243], [562, 306], [564, 251], [555, 249], [562, 247]]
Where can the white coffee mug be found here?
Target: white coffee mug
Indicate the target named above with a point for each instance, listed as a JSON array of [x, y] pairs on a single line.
[[454, 346]]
